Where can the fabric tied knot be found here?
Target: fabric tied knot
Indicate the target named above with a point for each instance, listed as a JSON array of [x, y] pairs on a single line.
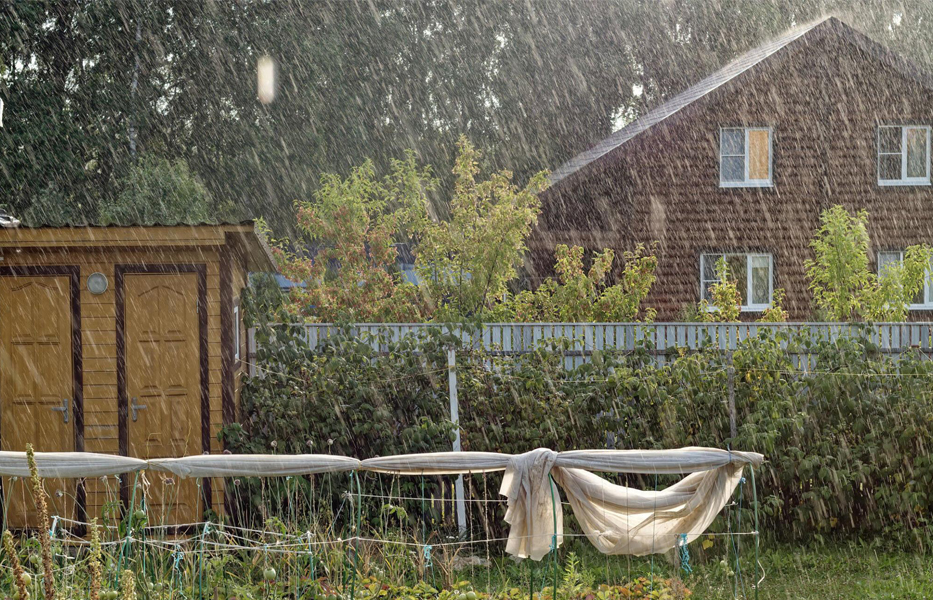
[[533, 507]]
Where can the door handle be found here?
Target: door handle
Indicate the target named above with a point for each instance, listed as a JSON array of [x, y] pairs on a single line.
[[136, 408], [62, 409]]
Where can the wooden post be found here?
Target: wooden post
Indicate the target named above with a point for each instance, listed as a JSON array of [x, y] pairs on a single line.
[[455, 419]]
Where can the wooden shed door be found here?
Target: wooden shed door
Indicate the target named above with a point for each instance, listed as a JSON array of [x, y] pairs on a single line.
[[163, 385], [36, 385]]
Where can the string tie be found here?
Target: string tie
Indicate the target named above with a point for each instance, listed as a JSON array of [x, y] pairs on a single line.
[[685, 555], [427, 555]]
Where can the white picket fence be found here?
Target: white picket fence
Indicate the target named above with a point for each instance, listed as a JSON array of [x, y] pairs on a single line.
[[661, 338]]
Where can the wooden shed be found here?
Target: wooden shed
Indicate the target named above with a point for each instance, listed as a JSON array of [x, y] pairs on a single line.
[[122, 340]]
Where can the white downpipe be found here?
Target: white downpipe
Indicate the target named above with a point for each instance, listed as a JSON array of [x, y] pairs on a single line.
[[455, 419]]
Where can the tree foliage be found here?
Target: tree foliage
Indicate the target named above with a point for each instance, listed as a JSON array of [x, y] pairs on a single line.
[[839, 272], [353, 225], [465, 262], [726, 302], [842, 284], [156, 190], [581, 295], [530, 84]]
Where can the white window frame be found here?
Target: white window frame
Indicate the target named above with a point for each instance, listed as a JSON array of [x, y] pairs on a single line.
[[904, 180], [748, 277], [748, 182], [926, 304]]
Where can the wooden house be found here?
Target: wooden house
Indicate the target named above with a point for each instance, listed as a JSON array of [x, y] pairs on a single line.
[[122, 340], [740, 166]]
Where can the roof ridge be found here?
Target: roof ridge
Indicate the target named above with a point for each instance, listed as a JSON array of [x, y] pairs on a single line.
[[714, 81]]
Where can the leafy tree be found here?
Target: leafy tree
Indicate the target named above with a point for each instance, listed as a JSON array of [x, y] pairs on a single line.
[[775, 312], [726, 302], [839, 272], [156, 190], [354, 224], [580, 295], [840, 279], [892, 291], [465, 262], [529, 83]]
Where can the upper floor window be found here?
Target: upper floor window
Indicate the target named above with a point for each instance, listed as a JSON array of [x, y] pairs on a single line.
[[745, 157], [752, 273], [903, 155], [924, 297]]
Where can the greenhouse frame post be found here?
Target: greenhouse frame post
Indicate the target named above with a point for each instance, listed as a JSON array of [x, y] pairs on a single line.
[[455, 419]]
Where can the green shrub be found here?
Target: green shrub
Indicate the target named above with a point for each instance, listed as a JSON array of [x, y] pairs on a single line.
[[846, 436]]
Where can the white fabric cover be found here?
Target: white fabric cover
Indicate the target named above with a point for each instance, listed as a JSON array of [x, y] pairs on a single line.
[[68, 465], [254, 465], [622, 520], [531, 503], [651, 462], [438, 463], [616, 519]]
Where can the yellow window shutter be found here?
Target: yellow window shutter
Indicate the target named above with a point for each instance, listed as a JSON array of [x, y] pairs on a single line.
[[759, 154]]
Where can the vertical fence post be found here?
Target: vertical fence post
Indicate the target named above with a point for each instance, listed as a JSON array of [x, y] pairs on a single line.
[[730, 371], [455, 419]]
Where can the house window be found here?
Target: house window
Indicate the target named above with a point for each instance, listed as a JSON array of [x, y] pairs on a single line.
[[753, 275], [903, 155], [924, 297], [745, 157]]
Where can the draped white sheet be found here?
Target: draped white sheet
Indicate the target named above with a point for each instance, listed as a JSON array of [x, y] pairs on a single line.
[[616, 519], [439, 463], [68, 465], [254, 465]]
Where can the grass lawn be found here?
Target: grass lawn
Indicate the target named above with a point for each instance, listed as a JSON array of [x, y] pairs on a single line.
[[830, 572]]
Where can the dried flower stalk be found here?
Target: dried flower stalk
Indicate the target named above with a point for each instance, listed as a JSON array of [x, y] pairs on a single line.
[[94, 563], [19, 576], [45, 540], [128, 586]]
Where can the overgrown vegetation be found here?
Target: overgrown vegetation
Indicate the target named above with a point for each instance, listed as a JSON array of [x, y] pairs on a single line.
[[467, 263], [845, 431]]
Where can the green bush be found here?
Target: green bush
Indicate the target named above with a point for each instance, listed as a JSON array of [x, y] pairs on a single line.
[[846, 436]]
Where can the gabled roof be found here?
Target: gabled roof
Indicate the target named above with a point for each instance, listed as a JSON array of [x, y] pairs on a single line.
[[723, 76]]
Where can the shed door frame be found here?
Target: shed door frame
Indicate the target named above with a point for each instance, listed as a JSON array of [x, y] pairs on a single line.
[[73, 272], [120, 272]]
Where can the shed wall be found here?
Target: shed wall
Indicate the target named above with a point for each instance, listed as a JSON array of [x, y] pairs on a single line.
[[99, 344]]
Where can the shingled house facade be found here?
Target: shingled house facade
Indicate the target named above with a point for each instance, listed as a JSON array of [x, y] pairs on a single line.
[[742, 163]]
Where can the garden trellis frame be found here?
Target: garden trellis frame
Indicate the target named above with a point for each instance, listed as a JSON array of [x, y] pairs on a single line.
[[616, 519]]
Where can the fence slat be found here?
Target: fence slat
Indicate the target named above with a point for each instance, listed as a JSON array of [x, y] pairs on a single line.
[[585, 338]]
